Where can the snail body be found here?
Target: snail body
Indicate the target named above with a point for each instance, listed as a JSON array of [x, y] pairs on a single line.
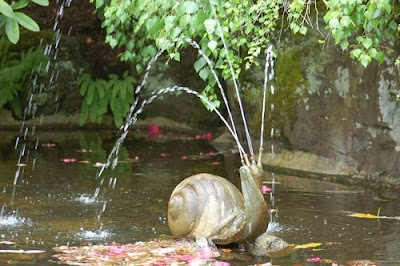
[[206, 205]]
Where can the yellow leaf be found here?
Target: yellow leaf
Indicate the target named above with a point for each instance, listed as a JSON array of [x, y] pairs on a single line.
[[363, 215], [309, 245]]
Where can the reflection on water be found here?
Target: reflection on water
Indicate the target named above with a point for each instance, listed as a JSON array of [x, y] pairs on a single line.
[[54, 203]]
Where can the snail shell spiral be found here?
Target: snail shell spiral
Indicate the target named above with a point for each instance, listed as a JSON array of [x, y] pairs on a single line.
[[206, 205]]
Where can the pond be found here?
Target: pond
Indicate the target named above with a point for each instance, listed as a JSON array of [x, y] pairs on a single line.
[[52, 203]]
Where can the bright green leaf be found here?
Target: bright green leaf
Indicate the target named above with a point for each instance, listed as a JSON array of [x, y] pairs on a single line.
[[367, 42], [210, 25], [199, 64], [303, 30], [190, 7], [6, 9], [12, 30], [212, 45], [365, 60], [334, 23], [204, 73], [26, 22]]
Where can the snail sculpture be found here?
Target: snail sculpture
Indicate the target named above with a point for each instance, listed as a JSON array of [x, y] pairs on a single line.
[[206, 205]]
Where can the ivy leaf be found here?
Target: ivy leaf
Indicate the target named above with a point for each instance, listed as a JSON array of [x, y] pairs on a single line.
[[334, 23], [356, 53], [199, 64], [26, 22], [12, 30], [190, 7], [344, 44], [303, 30], [6, 9], [204, 73], [365, 60], [367, 43], [212, 45], [210, 25]]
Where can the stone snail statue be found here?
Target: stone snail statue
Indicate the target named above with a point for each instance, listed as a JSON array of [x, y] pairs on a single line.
[[206, 205]]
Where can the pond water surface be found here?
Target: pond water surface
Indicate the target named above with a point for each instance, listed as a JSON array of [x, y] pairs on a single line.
[[53, 203]]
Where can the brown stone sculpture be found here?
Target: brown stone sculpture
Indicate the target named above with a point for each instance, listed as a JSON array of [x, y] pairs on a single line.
[[206, 205]]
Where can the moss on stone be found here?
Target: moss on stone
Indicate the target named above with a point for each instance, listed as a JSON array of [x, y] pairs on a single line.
[[289, 84]]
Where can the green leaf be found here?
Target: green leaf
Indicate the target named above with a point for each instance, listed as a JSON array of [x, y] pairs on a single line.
[[393, 25], [204, 73], [99, 3], [210, 25], [20, 4], [199, 64], [356, 52], [334, 23], [90, 93], [190, 7], [344, 44], [41, 2], [367, 42], [212, 45], [303, 30], [26, 22], [365, 60], [12, 30], [6, 9]]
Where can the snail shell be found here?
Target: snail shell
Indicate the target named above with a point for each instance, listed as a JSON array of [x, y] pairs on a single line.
[[206, 205]]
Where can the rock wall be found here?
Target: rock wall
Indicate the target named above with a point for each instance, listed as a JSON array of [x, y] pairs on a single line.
[[352, 117]]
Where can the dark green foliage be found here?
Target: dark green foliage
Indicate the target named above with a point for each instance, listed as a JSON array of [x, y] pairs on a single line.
[[15, 72], [99, 94]]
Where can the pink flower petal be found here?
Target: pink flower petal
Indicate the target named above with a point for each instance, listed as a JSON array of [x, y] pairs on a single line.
[[314, 259], [69, 160], [184, 157], [164, 155], [154, 131], [266, 189]]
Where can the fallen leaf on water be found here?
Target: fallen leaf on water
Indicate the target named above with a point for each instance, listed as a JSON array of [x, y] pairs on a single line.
[[308, 245], [84, 161], [371, 216], [362, 215], [97, 164], [226, 250]]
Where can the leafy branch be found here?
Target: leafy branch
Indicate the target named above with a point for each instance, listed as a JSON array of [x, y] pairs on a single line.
[[11, 19]]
